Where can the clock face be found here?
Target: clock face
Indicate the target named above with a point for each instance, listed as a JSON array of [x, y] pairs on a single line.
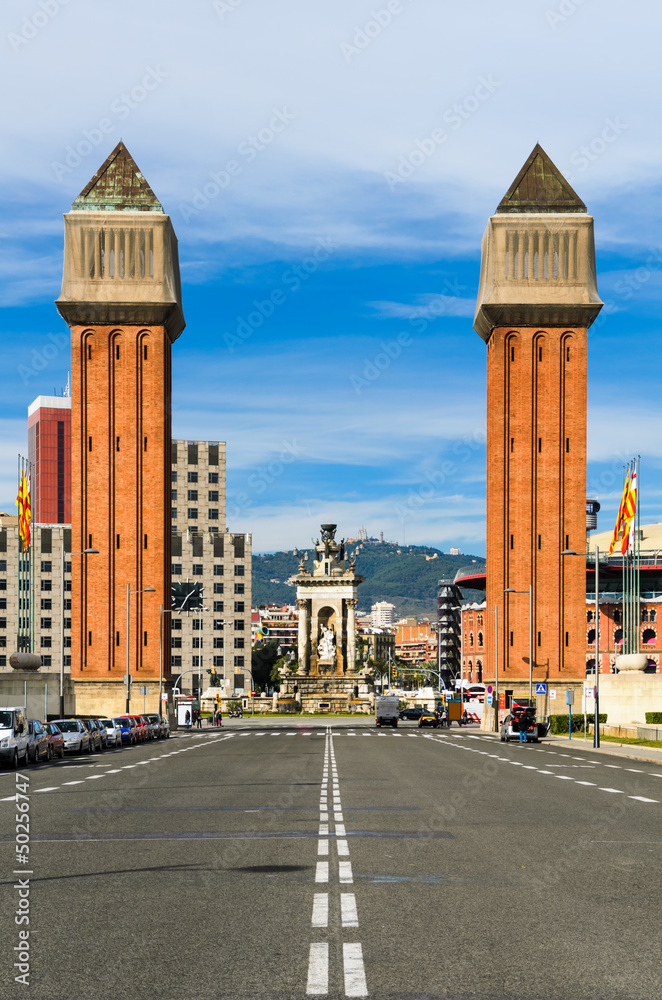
[[187, 597]]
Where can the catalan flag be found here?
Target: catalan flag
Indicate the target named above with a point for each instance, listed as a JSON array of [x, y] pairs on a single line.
[[629, 514], [621, 512], [24, 510]]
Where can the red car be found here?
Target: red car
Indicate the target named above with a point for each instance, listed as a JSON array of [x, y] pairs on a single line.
[[55, 741], [142, 729]]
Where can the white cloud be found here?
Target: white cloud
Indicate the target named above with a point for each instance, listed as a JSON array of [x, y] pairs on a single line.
[[428, 307]]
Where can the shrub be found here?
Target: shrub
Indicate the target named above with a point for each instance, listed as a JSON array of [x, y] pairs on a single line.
[[559, 723], [654, 718]]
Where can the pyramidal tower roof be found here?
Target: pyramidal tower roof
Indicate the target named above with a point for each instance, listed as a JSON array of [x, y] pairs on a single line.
[[540, 187], [117, 186]]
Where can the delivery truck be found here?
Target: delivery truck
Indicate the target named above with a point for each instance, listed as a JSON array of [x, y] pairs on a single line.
[[387, 708]]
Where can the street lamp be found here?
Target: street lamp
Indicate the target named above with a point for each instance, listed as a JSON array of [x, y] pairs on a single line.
[[495, 611], [85, 552], [146, 590], [596, 718], [509, 590]]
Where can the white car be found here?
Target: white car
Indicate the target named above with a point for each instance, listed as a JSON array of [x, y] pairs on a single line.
[[13, 736], [113, 731]]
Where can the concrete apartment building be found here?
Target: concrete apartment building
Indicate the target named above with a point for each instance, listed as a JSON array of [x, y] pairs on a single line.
[[382, 614], [205, 551]]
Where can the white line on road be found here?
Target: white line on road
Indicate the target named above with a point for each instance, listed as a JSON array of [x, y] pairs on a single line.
[[345, 871], [640, 798], [616, 791], [350, 917], [343, 848], [340, 829], [318, 970], [320, 909], [322, 871], [54, 788], [323, 847], [355, 983]]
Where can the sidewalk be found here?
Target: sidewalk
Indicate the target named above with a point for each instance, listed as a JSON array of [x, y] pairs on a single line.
[[632, 752]]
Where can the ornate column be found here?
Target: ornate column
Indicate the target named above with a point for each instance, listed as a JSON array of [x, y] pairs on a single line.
[[314, 640], [302, 634], [351, 605]]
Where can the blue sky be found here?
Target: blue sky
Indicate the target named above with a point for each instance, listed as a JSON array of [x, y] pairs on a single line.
[[277, 136]]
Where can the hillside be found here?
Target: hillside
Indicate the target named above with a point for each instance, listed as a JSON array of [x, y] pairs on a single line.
[[399, 574]]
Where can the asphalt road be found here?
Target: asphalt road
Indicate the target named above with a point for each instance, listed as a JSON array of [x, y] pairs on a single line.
[[287, 860]]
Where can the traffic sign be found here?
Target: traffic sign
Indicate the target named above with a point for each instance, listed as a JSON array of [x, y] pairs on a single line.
[[489, 699], [489, 690], [541, 689]]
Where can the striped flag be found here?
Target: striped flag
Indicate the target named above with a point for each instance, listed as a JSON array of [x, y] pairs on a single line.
[[24, 510], [621, 511], [629, 514]]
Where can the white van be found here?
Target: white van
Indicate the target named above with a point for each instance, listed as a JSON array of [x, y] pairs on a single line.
[[387, 708], [13, 736]]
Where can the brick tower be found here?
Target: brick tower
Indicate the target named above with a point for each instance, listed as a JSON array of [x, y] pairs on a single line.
[[121, 297], [537, 297]]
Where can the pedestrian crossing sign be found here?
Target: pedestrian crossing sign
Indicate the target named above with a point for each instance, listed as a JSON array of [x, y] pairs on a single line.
[[541, 689]]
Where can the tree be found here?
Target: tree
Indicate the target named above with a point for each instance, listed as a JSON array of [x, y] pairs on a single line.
[[263, 660]]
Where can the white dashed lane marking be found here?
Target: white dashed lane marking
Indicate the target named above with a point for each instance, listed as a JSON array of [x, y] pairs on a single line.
[[320, 909], [348, 911], [355, 982], [318, 970]]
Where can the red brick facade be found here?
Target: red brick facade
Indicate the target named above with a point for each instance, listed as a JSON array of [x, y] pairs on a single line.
[[536, 484], [121, 467]]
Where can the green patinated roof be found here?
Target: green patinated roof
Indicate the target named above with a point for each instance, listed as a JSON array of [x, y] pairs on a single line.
[[118, 186], [540, 187]]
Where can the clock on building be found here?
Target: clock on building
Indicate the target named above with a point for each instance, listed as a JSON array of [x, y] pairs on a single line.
[[187, 597]]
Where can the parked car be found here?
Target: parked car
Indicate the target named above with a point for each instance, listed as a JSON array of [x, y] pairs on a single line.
[[141, 728], [103, 735], [165, 728], [518, 721], [13, 736], [428, 718], [148, 728], [76, 736], [93, 733], [37, 741], [155, 726], [113, 732], [411, 713], [55, 740], [127, 728]]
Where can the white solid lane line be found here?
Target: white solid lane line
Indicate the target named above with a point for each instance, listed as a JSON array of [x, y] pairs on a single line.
[[318, 970], [616, 791], [320, 909], [348, 912], [640, 798], [345, 872], [54, 788], [355, 983]]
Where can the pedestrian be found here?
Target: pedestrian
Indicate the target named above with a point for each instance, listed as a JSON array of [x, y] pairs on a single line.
[[213, 715], [522, 727], [187, 719], [199, 719], [219, 716]]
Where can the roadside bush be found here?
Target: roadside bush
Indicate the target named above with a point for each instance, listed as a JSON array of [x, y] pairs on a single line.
[[654, 718], [559, 723]]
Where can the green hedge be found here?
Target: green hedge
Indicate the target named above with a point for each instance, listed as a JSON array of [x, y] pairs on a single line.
[[559, 723], [654, 718]]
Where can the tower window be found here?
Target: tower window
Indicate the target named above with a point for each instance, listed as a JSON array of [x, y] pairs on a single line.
[[144, 638], [89, 541], [539, 444], [145, 542], [117, 444], [117, 638], [539, 638], [89, 638], [567, 444], [540, 354], [145, 352], [567, 541], [117, 541], [512, 637], [117, 352], [567, 354], [512, 353], [89, 443], [512, 444], [512, 541], [567, 638], [145, 444], [539, 541]]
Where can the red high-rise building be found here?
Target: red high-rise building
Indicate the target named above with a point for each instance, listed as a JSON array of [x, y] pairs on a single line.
[[49, 451]]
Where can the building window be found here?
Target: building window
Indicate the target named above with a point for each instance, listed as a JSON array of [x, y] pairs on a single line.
[[218, 571], [46, 642], [67, 623], [67, 587], [617, 615], [218, 661], [67, 602], [479, 619], [67, 567], [239, 642], [192, 454], [218, 588], [652, 615], [239, 661], [144, 638], [197, 642], [192, 477], [46, 661], [176, 569], [193, 495], [213, 514], [239, 546], [193, 513], [540, 638], [589, 616], [176, 623], [239, 606], [176, 661], [197, 569], [471, 638], [218, 606], [218, 623], [117, 638], [239, 625], [239, 571], [46, 604], [45, 623], [45, 585], [175, 641], [67, 642], [218, 642], [197, 624], [3, 624], [212, 496], [590, 636], [67, 660], [512, 636], [46, 566], [173, 495], [173, 476], [238, 588], [649, 637], [212, 453], [480, 638], [213, 477]]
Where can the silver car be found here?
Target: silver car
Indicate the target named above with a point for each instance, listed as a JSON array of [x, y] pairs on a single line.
[[76, 736], [113, 732]]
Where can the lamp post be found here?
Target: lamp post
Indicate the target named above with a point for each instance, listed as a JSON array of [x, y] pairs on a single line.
[[596, 718], [162, 611], [509, 590], [85, 552], [146, 590]]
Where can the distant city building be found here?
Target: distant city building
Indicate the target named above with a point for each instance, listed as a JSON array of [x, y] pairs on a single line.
[[455, 551], [276, 622], [415, 642], [363, 534], [382, 614], [379, 643], [49, 452]]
